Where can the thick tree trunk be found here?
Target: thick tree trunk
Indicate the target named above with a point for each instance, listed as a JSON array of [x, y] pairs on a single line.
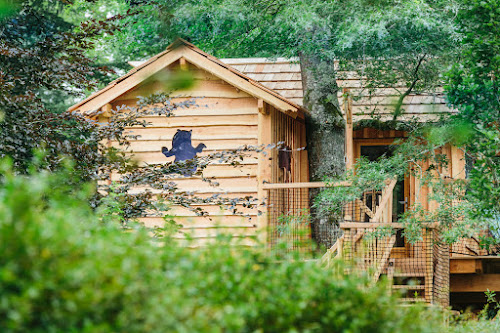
[[325, 135], [325, 124]]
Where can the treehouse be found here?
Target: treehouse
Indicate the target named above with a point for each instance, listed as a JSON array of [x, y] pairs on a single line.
[[231, 111], [256, 101]]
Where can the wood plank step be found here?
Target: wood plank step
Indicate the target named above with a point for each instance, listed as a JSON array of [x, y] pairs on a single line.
[[409, 287], [409, 299], [409, 274]]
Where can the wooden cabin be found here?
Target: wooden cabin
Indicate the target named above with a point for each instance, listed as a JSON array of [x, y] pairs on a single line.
[[233, 111], [259, 102]]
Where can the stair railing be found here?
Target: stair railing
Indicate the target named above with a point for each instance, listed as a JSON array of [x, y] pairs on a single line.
[[383, 212]]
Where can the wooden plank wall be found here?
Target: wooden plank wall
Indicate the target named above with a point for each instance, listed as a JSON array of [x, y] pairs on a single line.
[[225, 118]]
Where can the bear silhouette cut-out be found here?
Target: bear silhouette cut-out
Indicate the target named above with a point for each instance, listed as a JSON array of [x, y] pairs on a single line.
[[182, 148]]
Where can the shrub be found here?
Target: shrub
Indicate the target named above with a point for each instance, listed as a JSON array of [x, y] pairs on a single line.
[[62, 269]]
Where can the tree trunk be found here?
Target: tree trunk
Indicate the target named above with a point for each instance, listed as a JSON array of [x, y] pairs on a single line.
[[325, 135], [325, 124]]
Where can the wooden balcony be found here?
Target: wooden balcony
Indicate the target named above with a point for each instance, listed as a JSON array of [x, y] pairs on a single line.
[[367, 234]]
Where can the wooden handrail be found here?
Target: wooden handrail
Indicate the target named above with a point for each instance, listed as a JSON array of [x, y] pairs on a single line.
[[362, 225], [330, 252], [304, 185], [385, 199]]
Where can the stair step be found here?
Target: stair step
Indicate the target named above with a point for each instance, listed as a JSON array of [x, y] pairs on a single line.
[[409, 274], [410, 299], [409, 287]]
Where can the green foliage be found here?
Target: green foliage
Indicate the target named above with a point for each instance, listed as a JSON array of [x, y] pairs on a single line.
[[473, 88], [369, 175], [42, 58], [486, 321], [63, 270], [478, 325], [408, 43]]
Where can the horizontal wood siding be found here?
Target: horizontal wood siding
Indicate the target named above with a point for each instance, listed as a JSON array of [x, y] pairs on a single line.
[[224, 118]]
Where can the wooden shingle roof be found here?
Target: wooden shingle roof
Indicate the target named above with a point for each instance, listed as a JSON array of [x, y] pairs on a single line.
[[282, 75], [285, 77]]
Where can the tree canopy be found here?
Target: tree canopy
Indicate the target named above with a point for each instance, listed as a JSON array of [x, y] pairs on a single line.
[[53, 50]]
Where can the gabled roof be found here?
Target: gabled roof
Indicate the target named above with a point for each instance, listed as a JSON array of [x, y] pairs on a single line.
[[192, 54], [282, 75]]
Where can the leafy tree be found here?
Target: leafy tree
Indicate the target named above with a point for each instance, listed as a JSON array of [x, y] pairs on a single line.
[[43, 55], [473, 88]]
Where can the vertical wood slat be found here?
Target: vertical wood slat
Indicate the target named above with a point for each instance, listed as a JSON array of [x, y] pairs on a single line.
[[349, 137]]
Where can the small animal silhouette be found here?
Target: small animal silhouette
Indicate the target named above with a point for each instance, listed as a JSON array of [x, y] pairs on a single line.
[[182, 148]]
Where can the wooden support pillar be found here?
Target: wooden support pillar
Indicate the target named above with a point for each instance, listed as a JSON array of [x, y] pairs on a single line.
[[264, 172], [429, 266], [106, 113], [349, 139]]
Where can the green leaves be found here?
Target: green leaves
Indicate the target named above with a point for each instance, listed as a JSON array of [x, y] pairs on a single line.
[[61, 269]]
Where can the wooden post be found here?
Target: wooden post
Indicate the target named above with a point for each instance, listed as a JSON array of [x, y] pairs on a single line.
[[349, 143], [347, 246], [304, 158], [429, 267], [264, 172]]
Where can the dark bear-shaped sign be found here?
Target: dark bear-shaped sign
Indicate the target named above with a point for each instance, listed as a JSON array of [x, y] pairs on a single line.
[[183, 149]]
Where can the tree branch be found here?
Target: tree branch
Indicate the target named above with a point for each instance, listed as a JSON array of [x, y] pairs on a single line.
[[399, 104]]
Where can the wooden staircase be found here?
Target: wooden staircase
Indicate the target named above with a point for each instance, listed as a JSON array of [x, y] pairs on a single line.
[[412, 271], [410, 285]]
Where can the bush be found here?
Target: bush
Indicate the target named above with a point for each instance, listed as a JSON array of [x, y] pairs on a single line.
[[62, 269], [479, 325]]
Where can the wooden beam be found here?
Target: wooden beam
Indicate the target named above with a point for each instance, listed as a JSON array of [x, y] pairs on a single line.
[[356, 225], [121, 86], [107, 110], [466, 266], [474, 282], [304, 185], [457, 163], [264, 172], [261, 106], [349, 141], [388, 194], [429, 267], [159, 62], [239, 82], [304, 158], [384, 261]]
